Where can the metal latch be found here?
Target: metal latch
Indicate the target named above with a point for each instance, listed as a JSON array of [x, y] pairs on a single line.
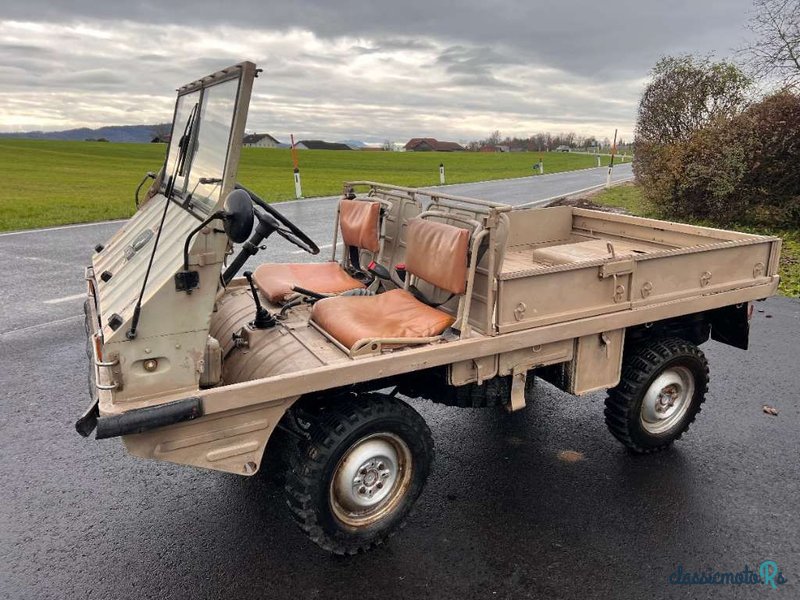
[[617, 267]]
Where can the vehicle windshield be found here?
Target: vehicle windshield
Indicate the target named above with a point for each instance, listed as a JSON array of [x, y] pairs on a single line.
[[202, 128]]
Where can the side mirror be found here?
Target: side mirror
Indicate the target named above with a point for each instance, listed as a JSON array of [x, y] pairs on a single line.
[[238, 216]]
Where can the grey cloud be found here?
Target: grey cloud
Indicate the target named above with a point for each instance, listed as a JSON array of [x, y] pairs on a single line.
[[589, 38], [354, 69]]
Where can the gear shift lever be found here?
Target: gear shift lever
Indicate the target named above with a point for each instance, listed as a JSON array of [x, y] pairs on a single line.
[[263, 319]]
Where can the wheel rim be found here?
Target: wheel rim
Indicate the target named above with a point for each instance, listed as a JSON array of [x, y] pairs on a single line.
[[371, 479], [667, 400]]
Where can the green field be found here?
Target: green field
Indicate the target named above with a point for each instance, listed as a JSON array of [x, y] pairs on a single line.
[[55, 183]]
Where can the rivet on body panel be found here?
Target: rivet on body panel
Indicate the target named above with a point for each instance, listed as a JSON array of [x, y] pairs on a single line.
[[758, 270], [705, 278], [647, 288]]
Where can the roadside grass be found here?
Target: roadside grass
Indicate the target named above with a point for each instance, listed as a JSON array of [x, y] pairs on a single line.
[[50, 183], [629, 197]]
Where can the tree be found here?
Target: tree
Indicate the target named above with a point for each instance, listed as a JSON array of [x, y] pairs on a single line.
[[775, 53], [494, 138], [686, 94]]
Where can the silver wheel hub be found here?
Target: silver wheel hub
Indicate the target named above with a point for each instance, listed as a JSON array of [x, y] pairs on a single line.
[[667, 400], [370, 479], [374, 475]]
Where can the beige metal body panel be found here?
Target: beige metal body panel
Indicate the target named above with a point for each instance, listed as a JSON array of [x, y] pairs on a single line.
[[233, 441], [607, 263], [597, 362]]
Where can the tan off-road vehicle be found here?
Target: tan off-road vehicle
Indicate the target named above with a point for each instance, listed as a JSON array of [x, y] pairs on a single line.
[[298, 368]]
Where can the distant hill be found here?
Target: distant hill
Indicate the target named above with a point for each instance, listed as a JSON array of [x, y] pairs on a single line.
[[354, 144], [114, 133]]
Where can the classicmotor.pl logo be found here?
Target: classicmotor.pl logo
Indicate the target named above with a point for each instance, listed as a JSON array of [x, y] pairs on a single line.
[[767, 574]]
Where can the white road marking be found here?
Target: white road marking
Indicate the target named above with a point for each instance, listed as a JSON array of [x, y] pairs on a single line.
[[56, 322], [65, 299], [60, 227]]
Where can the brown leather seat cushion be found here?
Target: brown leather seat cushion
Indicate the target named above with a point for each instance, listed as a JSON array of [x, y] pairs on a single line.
[[275, 281], [359, 221], [393, 314], [437, 253]]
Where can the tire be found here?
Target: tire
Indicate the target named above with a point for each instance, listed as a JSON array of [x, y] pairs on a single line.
[[661, 390], [355, 481]]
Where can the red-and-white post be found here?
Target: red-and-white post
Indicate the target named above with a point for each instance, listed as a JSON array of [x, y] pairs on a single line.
[[611, 162], [298, 188]]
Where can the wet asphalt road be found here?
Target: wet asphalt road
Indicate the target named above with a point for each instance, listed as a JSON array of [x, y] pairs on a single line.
[[503, 515]]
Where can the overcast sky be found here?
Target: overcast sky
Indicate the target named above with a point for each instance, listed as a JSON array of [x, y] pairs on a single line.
[[343, 69]]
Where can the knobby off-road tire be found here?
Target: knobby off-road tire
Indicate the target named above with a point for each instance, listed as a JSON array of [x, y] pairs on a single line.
[[354, 482], [661, 390]]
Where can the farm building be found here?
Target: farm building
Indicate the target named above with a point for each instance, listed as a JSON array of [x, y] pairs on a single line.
[[431, 145], [320, 145], [494, 148], [563, 149], [260, 140]]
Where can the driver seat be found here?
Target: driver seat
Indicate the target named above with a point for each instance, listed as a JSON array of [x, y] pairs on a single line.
[[359, 222]]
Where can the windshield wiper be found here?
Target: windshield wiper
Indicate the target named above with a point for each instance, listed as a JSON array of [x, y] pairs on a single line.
[[183, 150]]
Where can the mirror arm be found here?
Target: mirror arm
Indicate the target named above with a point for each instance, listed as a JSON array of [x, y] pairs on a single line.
[[221, 214]]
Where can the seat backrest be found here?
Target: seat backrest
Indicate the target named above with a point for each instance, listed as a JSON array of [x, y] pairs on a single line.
[[359, 221], [438, 253]]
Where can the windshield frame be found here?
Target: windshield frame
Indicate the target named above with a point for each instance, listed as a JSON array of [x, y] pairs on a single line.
[[245, 72]]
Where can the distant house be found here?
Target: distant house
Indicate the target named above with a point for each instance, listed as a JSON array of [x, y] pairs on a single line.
[[494, 148], [320, 145], [431, 145], [563, 149], [260, 140]]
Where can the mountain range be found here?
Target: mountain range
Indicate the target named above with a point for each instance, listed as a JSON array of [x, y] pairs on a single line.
[[113, 133]]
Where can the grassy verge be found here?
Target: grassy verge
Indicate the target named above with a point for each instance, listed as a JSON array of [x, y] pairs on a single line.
[[629, 197], [54, 183]]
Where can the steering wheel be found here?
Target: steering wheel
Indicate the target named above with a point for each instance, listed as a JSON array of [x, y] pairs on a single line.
[[286, 229], [274, 219]]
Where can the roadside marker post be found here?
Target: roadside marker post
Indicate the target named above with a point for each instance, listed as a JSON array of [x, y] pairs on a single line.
[[598, 160], [611, 162], [298, 188], [441, 173]]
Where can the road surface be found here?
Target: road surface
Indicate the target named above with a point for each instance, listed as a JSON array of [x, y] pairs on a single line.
[[503, 515]]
